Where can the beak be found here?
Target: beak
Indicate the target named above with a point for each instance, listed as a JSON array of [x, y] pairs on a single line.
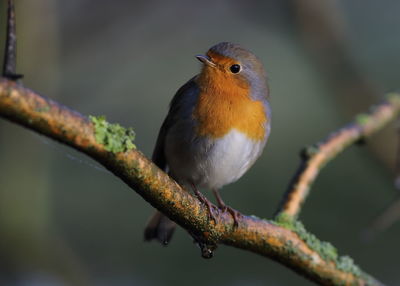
[[205, 60]]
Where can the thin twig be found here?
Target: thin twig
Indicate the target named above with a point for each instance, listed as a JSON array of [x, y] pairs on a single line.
[[10, 51], [315, 157], [283, 241]]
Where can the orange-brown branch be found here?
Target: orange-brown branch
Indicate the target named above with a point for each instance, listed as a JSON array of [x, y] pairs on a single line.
[[317, 156], [282, 241]]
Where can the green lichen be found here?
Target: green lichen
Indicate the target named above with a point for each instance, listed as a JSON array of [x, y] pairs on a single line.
[[284, 220], [114, 137], [346, 263], [325, 249], [293, 250], [362, 118]]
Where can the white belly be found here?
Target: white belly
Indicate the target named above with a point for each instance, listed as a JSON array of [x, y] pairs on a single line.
[[212, 163]]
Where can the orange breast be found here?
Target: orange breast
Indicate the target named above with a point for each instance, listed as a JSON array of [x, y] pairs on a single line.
[[223, 105]]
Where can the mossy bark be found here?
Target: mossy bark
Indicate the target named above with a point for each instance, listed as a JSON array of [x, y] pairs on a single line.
[[285, 242]]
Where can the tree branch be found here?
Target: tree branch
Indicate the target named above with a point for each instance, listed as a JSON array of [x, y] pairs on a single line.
[[315, 157], [283, 240]]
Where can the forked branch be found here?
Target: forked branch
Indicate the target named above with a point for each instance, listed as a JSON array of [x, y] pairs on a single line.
[[285, 240], [315, 157]]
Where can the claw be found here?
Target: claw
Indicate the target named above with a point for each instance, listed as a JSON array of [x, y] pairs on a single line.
[[224, 208], [206, 202], [235, 214]]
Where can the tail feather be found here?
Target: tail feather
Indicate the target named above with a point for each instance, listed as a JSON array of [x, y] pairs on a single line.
[[159, 227]]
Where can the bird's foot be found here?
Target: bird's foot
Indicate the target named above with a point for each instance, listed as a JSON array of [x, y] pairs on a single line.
[[224, 208], [234, 213], [208, 204]]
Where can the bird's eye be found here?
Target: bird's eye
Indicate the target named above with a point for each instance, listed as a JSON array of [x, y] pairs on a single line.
[[235, 68]]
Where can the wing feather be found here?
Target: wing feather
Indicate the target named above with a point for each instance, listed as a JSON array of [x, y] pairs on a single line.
[[159, 157]]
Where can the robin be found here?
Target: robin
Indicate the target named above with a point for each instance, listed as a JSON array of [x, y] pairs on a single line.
[[217, 126]]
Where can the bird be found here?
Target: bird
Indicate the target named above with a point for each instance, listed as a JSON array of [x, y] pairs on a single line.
[[217, 126]]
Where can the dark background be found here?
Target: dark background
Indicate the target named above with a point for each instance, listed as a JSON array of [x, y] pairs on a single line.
[[66, 221]]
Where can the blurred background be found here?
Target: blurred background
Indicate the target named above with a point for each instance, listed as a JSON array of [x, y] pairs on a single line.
[[66, 221]]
